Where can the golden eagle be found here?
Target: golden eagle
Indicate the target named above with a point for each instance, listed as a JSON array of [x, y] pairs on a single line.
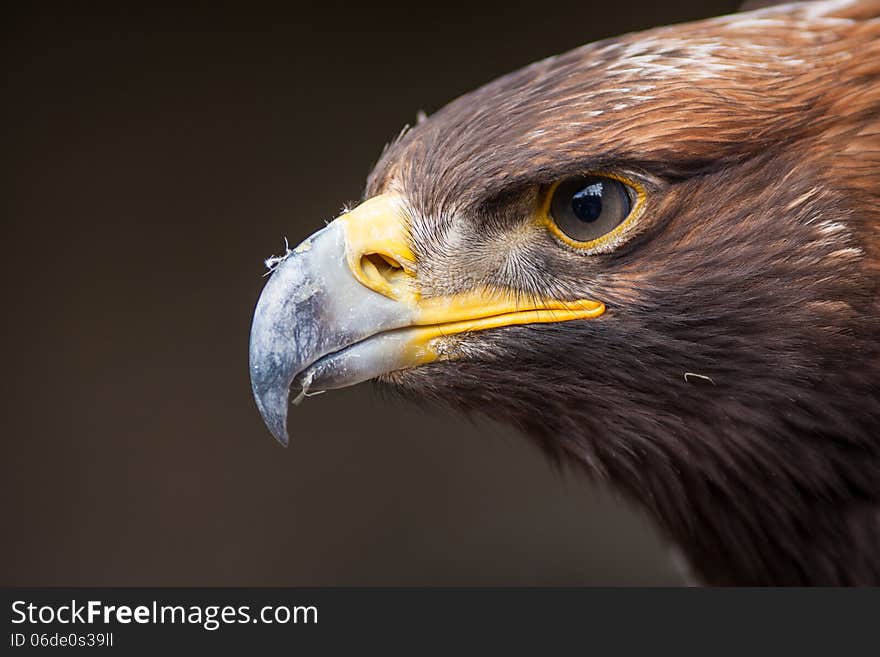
[[658, 256]]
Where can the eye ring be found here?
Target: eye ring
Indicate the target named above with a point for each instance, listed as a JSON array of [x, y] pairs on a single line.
[[633, 201]]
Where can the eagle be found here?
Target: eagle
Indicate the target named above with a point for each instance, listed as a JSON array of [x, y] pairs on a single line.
[[655, 255]]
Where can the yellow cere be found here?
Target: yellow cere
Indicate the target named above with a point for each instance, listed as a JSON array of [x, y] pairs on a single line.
[[377, 234]]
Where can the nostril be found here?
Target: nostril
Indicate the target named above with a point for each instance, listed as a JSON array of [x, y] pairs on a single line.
[[382, 261], [382, 273]]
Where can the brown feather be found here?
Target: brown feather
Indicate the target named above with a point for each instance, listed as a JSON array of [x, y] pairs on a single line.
[[756, 263]]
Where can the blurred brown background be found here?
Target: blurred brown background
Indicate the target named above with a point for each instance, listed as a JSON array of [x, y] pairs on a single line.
[[155, 157]]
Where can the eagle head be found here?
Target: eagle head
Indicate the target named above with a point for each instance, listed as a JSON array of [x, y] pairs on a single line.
[[657, 255]]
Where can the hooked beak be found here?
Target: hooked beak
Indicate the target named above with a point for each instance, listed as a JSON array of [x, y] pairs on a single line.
[[343, 307]]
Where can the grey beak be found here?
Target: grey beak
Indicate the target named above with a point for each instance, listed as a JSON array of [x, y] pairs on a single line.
[[311, 307]]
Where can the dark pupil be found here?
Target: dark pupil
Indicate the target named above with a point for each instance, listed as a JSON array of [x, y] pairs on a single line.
[[587, 203]]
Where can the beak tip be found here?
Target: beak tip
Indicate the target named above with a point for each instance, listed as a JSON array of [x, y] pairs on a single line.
[[273, 410], [277, 425]]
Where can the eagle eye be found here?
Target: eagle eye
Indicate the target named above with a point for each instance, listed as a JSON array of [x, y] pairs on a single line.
[[587, 208]]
